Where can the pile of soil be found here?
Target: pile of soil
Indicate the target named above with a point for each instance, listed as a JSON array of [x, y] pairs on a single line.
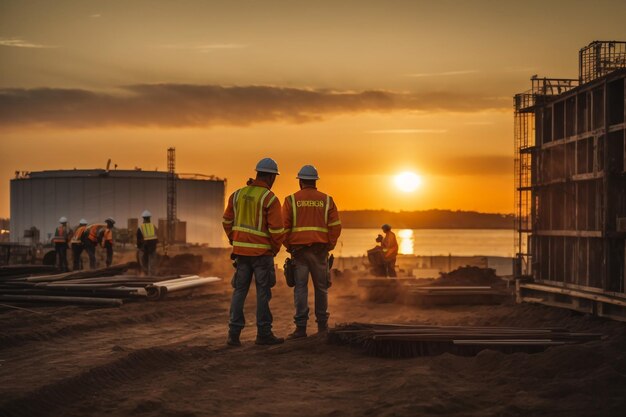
[[468, 276]]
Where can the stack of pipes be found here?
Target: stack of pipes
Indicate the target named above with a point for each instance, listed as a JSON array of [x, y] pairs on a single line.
[[397, 340], [107, 286]]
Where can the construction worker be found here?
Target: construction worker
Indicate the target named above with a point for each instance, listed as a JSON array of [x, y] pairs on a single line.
[[254, 225], [312, 226], [147, 241], [60, 239], [390, 250], [91, 237], [77, 244], [107, 240]]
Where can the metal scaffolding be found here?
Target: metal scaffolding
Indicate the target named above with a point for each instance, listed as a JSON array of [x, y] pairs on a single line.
[[171, 195]]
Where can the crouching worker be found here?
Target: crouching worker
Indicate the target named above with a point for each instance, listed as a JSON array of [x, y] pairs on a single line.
[[312, 226], [254, 226], [147, 241]]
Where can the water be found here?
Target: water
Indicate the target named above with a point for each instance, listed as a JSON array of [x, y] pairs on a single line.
[[458, 242]]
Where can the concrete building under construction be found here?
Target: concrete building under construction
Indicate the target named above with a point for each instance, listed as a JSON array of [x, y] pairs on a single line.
[[570, 186], [38, 199]]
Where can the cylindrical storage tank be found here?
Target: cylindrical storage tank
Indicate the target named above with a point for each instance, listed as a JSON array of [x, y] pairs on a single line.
[[39, 198]]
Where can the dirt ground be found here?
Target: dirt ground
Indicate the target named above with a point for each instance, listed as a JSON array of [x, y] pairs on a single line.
[[169, 358]]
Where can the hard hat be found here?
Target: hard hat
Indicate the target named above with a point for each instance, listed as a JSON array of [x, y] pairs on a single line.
[[308, 172], [386, 226], [267, 165], [146, 213], [63, 219], [110, 220], [82, 222]]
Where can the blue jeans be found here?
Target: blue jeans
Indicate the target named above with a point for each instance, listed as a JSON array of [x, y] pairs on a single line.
[[307, 261], [262, 267]]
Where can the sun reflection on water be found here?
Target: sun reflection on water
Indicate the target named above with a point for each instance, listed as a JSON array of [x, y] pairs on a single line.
[[406, 242]]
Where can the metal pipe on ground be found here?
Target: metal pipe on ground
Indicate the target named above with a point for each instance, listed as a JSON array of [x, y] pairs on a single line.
[[160, 290]]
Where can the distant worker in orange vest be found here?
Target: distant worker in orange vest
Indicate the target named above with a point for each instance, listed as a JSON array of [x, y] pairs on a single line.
[[60, 239], [77, 245], [312, 226], [147, 241], [107, 240], [254, 225], [92, 238], [390, 250]]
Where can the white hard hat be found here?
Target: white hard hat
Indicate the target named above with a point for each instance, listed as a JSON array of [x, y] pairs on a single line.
[[63, 219], [267, 165], [308, 172], [146, 213], [110, 220], [83, 222]]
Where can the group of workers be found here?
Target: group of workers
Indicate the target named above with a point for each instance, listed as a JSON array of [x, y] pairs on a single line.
[[257, 226], [87, 237]]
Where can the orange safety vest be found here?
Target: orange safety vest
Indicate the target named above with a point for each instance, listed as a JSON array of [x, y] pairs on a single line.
[[107, 236], [390, 245], [311, 217], [60, 234], [76, 237], [253, 221], [93, 230]]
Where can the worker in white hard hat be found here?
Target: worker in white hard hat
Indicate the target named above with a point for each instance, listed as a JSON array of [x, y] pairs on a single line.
[[254, 225], [61, 239], [147, 241], [107, 240], [77, 245], [312, 228]]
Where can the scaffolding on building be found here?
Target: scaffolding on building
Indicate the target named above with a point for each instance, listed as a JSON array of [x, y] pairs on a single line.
[[570, 186], [524, 143]]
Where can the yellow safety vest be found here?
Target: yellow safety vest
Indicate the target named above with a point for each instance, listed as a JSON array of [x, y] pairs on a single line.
[[147, 230], [248, 204]]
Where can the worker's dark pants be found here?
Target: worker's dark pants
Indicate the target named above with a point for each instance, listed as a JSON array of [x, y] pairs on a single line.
[[314, 261], [77, 251], [61, 250], [390, 267], [109, 248], [148, 256], [262, 267], [90, 248]]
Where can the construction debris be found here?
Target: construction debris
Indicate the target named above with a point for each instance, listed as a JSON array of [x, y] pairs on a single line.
[[403, 341], [98, 287]]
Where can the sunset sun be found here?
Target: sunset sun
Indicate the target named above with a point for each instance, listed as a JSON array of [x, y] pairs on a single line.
[[408, 181]]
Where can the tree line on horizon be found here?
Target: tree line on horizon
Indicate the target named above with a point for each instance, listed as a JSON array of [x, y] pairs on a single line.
[[426, 219]]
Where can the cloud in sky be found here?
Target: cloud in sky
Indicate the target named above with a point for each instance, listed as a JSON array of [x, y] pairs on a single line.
[[184, 105], [21, 43]]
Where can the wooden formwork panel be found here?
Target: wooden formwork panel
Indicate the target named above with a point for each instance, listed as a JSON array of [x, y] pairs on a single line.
[[598, 304]]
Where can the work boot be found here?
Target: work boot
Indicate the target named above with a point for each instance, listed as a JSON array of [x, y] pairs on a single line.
[[299, 333], [269, 339], [322, 327], [233, 339]]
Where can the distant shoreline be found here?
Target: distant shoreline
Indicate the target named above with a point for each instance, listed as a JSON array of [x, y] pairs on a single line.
[[426, 219]]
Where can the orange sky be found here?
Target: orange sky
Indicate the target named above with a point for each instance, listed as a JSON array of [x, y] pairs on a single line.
[[361, 89]]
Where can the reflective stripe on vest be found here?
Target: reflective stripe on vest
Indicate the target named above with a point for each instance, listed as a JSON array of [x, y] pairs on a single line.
[[252, 245], [60, 235], [76, 238], [248, 204], [147, 230], [295, 228]]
